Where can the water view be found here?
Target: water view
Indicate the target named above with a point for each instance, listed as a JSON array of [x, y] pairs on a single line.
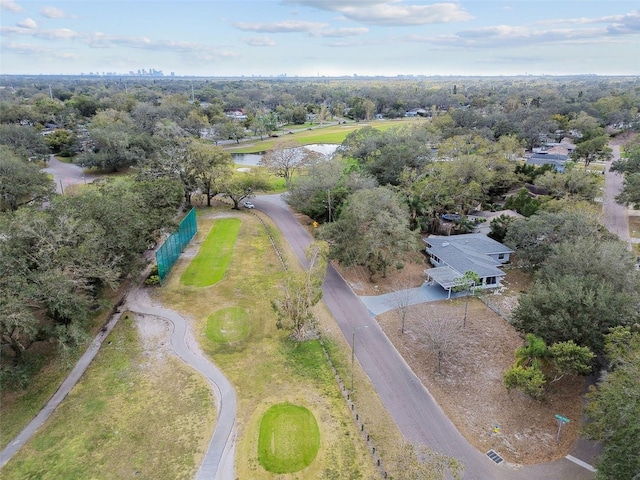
[[326, 149]]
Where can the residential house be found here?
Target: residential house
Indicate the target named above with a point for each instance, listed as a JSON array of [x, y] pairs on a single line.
[[453, 256], [557, 160]]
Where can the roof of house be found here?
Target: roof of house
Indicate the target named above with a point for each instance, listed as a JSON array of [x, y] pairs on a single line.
[[548, 159], [468, 252]]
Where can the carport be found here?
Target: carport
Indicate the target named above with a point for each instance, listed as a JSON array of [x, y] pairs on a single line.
[[446, 277]]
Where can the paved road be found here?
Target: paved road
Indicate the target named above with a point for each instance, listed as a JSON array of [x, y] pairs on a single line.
[[615, 215], [66, 174], [419, 417]]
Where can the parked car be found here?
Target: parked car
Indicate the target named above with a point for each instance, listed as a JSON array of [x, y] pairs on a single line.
[[248, 205]]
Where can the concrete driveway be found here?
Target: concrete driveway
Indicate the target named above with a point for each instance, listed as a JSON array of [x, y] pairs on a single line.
[[379, 304]]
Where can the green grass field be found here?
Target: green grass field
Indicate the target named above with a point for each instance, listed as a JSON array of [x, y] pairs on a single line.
[[228, 325], [265, 366], [330, 134], [289, 438], [212, 260]]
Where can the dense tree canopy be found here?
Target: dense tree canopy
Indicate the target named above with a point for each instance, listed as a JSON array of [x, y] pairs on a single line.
[[583, 289], [614, 408], [372, 231], [54, 262], [21, 182]]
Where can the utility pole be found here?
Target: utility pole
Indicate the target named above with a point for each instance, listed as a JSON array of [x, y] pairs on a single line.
[[353, 350]]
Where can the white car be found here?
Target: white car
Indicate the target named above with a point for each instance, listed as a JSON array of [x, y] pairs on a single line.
[[248, 205]]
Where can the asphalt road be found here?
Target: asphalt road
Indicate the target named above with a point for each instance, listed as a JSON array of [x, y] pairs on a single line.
[[615, 215], [418, 416], [66, 174]]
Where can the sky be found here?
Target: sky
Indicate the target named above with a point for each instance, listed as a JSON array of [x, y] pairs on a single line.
[[320, 38]]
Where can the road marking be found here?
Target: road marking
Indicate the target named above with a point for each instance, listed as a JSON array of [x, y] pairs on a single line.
[[577, 461]]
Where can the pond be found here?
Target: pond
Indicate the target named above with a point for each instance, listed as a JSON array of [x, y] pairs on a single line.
[[326, 149]]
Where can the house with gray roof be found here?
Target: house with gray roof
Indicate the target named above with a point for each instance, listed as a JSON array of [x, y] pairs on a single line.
[[455, 255], [555, 159]]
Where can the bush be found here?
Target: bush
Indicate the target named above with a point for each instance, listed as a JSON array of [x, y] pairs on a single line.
[[152, 280]]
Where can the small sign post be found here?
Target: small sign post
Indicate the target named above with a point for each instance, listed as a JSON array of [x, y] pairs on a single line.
[[562, 420]]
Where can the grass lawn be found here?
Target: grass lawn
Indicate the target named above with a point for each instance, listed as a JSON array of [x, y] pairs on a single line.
[[289, 438], [212, 260], [19, 405], [130, 416], [331, 134], [228, 325], [264, 365]]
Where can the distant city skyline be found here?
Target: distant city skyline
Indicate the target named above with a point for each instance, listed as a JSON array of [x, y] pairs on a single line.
[[329, 38]]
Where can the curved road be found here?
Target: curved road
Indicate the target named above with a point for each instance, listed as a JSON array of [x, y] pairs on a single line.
[[419, 417], [66, 174]]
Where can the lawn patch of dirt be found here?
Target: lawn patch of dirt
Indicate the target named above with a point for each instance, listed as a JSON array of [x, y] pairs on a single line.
[[470, 388]]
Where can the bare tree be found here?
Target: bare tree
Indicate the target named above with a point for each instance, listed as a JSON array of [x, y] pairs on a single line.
[[286, 158], [401, 299], [437, 333]]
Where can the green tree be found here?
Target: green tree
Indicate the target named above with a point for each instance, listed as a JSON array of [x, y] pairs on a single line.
[[579, 184], [301, 292], [594, 149], [523, 203], [242, 185], [25, 141], [21, 182], [500, 227], [372, 231], [60, 141], [535, 363], [533, 238], [568, 308], [614, 408], [116, 143], [630, 194], [232, 129], [209, 166]]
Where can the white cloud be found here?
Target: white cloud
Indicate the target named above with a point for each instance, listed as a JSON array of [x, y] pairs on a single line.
[[340, 32], [28, 23], [10, 5], [285, 26], [262, 41], [391, 12], [36, 50], [53, 12], [313, 29]]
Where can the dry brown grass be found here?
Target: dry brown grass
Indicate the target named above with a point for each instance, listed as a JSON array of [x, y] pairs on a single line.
[[470, 388]]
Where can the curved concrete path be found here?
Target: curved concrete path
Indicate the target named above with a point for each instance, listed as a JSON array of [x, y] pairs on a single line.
[[218, 463]]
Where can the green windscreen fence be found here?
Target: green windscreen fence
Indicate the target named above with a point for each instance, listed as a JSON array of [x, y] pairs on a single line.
[[171, 249]]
